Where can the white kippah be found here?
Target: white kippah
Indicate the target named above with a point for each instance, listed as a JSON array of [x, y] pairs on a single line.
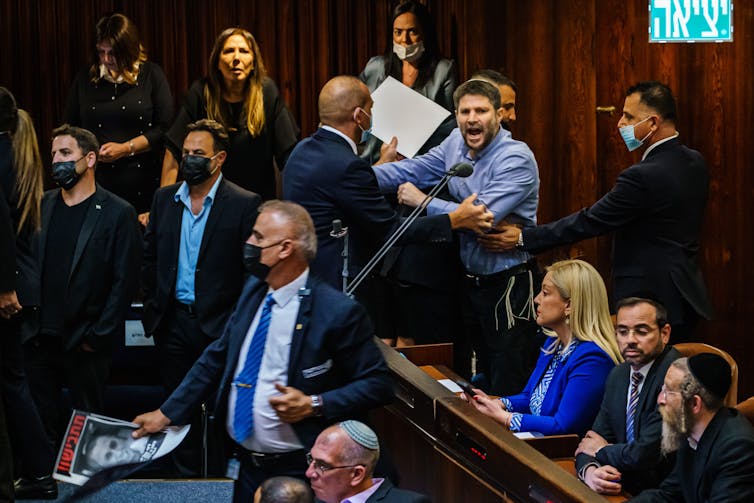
[[361, 434]]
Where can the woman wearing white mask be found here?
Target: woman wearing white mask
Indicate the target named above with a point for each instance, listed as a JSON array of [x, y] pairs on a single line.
[[417, 301], [413, 57]]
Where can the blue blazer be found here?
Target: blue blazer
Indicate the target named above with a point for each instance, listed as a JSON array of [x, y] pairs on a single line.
[[333, 354], [331, 182], [573, 398]]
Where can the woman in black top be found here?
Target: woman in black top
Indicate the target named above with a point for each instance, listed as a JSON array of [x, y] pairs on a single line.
[[238, 94], [20, 219], [126, 102]]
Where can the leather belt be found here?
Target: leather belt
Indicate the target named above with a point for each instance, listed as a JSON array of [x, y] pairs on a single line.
[[186, 308], [272, 459], [482, 280]]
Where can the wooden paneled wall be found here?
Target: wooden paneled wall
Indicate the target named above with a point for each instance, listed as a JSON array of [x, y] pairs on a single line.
[[567, 57]]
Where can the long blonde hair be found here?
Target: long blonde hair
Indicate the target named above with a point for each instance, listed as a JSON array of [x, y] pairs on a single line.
[[28, 165], [579, 283], [253, 107]]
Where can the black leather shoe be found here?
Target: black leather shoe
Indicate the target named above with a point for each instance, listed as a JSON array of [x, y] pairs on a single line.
[[36, 488]]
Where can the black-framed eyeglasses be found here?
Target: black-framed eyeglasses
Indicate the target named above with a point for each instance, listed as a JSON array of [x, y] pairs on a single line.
[[321, 467], [640, 331]]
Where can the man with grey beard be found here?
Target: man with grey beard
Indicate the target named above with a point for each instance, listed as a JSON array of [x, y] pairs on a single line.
[[715, 444]]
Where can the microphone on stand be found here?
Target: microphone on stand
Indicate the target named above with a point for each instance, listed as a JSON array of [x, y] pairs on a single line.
[[461, 170]]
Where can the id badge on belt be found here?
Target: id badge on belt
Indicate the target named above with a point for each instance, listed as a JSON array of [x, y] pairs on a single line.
[[234, 467]]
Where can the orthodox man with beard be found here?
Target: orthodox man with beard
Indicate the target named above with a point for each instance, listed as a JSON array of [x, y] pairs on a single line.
[[714, 444]]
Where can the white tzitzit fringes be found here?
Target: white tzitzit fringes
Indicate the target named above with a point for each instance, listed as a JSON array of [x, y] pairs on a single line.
[[508, 309], [527, 311]]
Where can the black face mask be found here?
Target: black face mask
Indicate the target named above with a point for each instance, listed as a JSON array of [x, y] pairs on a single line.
[[251, 256], [65, 175], [195, 168]]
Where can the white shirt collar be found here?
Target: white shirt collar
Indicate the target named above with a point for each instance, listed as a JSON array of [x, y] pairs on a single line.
[[285, 293], [342, 135], [649, 149]]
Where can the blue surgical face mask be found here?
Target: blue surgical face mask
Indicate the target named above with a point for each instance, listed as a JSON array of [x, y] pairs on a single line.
[[365, 133], [629, 135]]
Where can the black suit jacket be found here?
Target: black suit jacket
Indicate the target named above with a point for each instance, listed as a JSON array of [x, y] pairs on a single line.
[[640, 462], [219, 274], [388, 493], [7, 230], [721, 469], [104, 271], [656, 209], [331, 182], [333, 354]]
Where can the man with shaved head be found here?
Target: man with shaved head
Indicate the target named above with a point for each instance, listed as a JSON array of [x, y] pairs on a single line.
[[326, 176]]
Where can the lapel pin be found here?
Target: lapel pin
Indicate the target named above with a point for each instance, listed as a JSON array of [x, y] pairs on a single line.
[[98, 206], [299, 326]]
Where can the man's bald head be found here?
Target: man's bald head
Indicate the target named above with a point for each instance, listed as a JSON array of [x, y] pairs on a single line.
[[338, 99]]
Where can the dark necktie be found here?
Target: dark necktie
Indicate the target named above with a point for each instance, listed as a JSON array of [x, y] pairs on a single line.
[[633, 401], [246, 382]]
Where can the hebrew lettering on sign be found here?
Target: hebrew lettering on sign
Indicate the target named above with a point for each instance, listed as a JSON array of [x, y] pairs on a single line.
[[691, 20]]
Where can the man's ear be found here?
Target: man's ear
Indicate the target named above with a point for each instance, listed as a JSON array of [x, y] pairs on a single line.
[[91, 159], [359, 474], [221, 156]]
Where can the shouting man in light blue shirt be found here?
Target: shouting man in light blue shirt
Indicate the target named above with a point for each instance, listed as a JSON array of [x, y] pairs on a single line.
[[499, 287]]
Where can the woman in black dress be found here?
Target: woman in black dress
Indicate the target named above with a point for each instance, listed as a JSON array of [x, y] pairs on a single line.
[[238, 94], [126, 102]]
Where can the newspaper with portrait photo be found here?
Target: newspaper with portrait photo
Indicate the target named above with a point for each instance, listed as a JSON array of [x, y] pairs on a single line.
[[98, 450]]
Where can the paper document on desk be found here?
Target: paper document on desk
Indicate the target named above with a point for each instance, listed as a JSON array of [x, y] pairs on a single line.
[[451, 385], [404, 113]]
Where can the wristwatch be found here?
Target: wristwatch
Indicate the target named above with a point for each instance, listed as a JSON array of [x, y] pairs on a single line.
[[317, 408], [520, 242]]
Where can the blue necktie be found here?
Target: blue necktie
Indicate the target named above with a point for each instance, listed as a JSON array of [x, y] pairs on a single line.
[[633, 401], [246, 382]]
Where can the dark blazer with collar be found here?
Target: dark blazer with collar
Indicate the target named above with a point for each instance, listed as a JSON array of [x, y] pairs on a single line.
[[655, 210], [721, 469], [220, 273], [388, 493], [640, 462], [331, 182], [104, 271], [333, 354], [7, 229]]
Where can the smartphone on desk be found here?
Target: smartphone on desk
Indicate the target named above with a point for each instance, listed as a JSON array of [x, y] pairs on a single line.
[[466, 387]]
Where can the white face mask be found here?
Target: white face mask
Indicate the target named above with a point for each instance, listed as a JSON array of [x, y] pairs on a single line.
[[409, 53]]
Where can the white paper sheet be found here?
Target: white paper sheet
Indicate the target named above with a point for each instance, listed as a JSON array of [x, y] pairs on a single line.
[[402, 112], [452, 386]]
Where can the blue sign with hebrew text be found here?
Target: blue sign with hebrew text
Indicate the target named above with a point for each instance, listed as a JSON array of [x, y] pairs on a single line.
[[690, 20]]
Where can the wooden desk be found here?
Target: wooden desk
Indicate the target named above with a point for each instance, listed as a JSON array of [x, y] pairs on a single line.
[[431, 436], [552, 446]]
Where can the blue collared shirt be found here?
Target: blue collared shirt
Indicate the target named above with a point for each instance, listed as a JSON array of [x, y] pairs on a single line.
[[192, 231], [505, 178]]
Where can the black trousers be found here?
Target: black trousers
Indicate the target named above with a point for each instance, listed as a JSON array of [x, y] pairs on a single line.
[[500, 323], [250, 476], [33, 452], [180, 342], [6, 456], [49, 368], [400, 309]]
